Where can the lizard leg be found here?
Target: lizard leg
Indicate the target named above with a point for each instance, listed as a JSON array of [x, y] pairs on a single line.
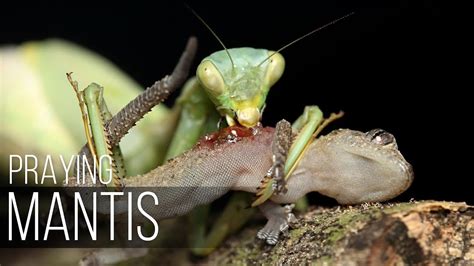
[[280, 149], [279, 219], [274, 180]]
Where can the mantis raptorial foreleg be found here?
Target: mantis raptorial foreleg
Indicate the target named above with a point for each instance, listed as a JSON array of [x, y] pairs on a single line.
[[95, 114], [128, 116], [308, 126]]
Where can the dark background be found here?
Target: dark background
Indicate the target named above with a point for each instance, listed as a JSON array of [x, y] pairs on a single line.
[[392, 65]]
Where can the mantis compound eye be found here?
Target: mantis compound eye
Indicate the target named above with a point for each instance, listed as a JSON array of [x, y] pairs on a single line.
[[381, 137], [210, 78], [275, 68]]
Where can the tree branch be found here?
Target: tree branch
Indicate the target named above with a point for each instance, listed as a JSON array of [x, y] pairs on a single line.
[[415, 233]]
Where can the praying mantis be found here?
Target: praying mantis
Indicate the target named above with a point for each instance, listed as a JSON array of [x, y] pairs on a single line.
[[231, 84], [204, 106]]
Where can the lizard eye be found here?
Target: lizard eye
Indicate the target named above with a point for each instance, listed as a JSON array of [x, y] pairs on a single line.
[[381, 137], [276, 65], [210, 78]]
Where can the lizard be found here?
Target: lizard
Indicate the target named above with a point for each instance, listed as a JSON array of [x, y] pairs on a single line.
[[350, 166]]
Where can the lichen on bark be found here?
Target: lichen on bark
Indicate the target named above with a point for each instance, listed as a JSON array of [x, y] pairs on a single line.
[[410, 233]]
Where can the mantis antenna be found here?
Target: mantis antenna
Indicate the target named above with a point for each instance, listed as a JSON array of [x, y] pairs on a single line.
[[213, 33], [306, 35]]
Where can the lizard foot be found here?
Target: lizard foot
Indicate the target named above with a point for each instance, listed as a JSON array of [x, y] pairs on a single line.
[[272, 230], [279, 219]]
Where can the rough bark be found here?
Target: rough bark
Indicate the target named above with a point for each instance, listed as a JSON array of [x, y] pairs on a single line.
[[426, 232]]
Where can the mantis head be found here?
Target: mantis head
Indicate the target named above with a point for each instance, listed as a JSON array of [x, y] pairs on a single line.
[[238, 80], [239, 87]]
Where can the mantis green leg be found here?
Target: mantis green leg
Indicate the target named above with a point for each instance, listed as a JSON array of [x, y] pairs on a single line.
[[95, 114], [302, 204], [197, 117], [306, 125], [110, 131]]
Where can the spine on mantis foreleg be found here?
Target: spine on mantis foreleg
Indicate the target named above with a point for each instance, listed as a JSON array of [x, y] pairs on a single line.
[[94, 114], [116, 165], [152, 96], [126, 118]]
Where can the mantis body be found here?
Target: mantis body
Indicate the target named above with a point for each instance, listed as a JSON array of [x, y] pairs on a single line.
[[237, 82]]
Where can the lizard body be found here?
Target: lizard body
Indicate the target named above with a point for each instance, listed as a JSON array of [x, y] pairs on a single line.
[[350, 166]]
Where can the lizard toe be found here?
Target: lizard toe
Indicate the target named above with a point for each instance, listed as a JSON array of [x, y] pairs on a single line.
[[262, 234], [284, 227], [272, 240], [272, 229]]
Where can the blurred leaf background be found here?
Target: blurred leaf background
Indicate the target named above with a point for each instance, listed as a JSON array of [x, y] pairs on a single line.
[[40, 115]]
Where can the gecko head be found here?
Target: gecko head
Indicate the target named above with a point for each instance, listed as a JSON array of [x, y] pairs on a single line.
[[359, 167]]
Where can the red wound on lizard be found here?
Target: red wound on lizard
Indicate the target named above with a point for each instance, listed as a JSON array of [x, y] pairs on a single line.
[[230, 134]]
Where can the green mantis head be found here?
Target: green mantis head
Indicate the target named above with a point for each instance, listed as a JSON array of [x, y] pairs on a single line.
[[239, 90]]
